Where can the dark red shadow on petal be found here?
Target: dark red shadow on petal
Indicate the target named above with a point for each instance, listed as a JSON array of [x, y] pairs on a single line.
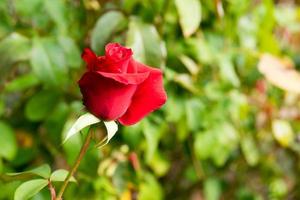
[[104, 97]]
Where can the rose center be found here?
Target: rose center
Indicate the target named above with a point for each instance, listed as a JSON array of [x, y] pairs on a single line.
[[116, 53]]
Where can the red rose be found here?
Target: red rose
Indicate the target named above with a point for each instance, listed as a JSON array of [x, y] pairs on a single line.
[[116, 87]]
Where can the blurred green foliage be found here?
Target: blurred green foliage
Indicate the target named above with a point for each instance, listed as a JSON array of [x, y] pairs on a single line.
[[225, 132]]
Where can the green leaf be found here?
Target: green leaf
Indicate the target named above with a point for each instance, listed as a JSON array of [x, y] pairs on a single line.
[[152, 134], [189, 15], [40, 105], [150, 187], [29, 189], [216, 143], [227, 71], [71, 50], [40, 63], [82, 122], [42, 171], [56, 10], [212, 189], [8, 142], [194, 113], [2, 106], [1, 166], [186, 81], [22, 82], [204, 144], [13, 48], [250, 150], [159, 164], [61, 175], [146, 44], [57, 59], [108, 24]]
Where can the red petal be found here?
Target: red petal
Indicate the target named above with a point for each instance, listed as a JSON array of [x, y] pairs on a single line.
[[104, 97], [149, 96], [135, 78], [90, 58]]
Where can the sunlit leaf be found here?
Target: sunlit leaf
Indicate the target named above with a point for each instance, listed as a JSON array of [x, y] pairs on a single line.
[[150, 187], [227, 70], [283, 132], [186, 81], [61, 175], [212, 189], [280, 72], [29, 189], [8, 142], [189, 15], [190, 64]]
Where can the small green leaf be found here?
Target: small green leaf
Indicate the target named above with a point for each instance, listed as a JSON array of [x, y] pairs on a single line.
[[190, 64], [82, 122], [186, 81], [146, 43], [8, 142], [189, 15], [22, 82], [250, 150], [108, 24], [42, 171], [29, 189], [61, 175], [40, 105], [227, 70]]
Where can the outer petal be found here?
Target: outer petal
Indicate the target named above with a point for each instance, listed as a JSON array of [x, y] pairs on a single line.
[[105, 97], [149, 96], [90, 58]]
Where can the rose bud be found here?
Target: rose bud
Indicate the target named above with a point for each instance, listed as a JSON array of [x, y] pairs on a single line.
[[116, 87]]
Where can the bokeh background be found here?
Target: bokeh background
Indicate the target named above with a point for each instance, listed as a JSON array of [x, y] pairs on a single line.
[[227, 131]]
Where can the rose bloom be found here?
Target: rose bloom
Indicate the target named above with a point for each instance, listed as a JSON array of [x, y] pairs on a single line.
[[116, 87]]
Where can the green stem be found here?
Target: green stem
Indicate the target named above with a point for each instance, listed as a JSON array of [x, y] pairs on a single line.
[[75, 166]]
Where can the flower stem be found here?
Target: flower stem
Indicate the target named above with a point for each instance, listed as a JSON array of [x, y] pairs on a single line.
[[75, 166], [52, 190]]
